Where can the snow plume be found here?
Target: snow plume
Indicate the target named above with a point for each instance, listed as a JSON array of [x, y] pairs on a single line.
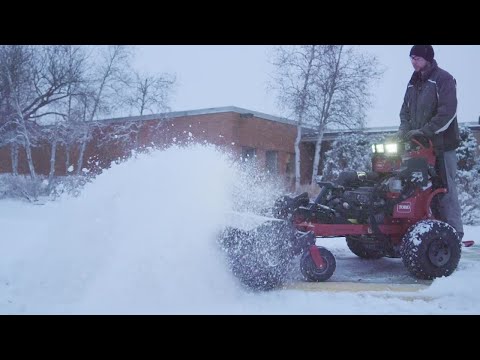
[[166, 208], [140, 238], [254, 191]]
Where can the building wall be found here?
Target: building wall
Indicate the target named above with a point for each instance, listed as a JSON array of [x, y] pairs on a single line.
[[234, 132], [229, 130], [5, 160]]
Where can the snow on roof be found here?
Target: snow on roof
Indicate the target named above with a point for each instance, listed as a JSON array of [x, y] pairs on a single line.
[[206, 111], [309, 134]]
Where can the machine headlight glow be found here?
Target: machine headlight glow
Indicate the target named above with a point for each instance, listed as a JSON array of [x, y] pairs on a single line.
[[380, 148], [391, 148]]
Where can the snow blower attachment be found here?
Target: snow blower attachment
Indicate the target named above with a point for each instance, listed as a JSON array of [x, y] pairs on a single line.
[[383, 213], [261, 258]]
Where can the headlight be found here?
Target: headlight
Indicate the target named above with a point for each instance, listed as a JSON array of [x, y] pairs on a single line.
[[391, 148], [380, 148], [373, 148]]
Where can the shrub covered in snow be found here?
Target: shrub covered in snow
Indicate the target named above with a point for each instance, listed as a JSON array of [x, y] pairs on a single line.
[[350, 152], [467, 150], [24, 187], [468, 177]]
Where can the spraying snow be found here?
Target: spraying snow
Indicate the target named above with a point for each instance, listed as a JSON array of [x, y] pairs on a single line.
[[141, 238]]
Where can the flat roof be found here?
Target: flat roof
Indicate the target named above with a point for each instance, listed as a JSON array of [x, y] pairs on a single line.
[[206, 111], [309, 133]]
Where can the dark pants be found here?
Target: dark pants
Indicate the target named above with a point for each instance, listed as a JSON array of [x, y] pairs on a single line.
[[448, 205]]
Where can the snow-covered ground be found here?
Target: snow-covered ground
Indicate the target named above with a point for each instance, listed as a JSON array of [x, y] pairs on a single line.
[[141, 240]]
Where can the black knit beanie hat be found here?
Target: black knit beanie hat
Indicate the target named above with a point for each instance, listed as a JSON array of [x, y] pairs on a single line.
[[425, 51]]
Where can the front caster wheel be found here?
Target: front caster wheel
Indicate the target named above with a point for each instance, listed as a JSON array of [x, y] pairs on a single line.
[[317, 264]]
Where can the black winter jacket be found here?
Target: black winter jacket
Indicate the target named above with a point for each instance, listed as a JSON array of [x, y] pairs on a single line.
[[430, 104]]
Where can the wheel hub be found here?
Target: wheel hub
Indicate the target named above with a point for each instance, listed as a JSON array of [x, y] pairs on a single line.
[[319, 269], [439, 252]]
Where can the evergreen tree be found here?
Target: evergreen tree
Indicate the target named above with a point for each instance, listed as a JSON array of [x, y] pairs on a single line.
[[467, 150], [350, 151], [468, 177]]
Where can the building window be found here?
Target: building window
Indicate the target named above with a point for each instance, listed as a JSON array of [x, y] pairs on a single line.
[[272, 162], [249, 154]]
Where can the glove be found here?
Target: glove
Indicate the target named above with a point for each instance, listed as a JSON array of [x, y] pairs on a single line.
[[414, 133]]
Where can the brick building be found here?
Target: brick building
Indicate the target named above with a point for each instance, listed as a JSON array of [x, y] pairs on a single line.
[[267, 139]]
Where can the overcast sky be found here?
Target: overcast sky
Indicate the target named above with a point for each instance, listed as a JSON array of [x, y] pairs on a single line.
[[237, 75]]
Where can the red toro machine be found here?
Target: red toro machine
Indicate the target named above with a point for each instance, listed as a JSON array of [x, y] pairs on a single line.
[[389, 212]]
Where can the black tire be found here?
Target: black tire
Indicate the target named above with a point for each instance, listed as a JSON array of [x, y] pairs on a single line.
[[260, 258], [311, 272], [431, 249], [358, 248]]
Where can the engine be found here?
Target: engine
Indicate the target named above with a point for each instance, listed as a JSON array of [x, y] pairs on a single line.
[[353, 204], [360, 197]]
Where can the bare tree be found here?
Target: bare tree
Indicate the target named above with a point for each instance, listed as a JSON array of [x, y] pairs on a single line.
[[342, 93], [150, 93], [16, 81], [110, 73], [64, 114], [58, 134], [33, 78], [323, 85], [297, 67]]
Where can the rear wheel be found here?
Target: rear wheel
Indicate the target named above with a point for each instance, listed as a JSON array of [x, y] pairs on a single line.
[[315, 273], [363, 247], [431, 249]]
